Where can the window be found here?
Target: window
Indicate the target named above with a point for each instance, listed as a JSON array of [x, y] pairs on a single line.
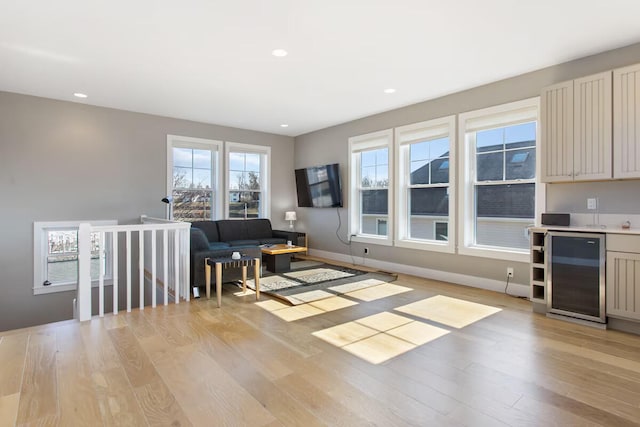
[[500, 196], [193, 178], [55, 252], [370, 187], [248, 169], [425, 154]]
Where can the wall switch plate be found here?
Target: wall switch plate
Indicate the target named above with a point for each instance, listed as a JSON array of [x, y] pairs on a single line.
[[592, 203]]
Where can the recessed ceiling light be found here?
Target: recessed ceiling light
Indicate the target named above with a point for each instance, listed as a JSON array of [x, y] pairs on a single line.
[[80, 95], [390, 90], [279, 53], [284, 125]]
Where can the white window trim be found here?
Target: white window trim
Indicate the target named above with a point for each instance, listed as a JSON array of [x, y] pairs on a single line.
[[380, 139], [40, 251], [518, 112], [203, 144], [404, 136], [265, 174]]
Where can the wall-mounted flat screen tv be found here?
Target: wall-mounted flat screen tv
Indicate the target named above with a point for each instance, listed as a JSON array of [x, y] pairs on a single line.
[[319, 187]]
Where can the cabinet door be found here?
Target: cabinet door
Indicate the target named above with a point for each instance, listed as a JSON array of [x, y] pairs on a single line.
[[592, 127], [623, 285], [626, 122], [556, 139]]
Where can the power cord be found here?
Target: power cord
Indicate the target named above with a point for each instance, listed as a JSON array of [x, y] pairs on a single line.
[[347, 243], [511, 295]]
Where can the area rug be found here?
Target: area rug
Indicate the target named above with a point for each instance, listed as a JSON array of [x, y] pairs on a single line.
[[311, 281]]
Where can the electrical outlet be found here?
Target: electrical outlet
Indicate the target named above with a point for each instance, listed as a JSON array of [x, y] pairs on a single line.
[[592, 203], [366, 251], [509, 271]]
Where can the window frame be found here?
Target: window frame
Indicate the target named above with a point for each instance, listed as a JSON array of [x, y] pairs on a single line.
[[40, 253], [215, 146], [404, 137], [508, 114], [358, 144], [265, 175]]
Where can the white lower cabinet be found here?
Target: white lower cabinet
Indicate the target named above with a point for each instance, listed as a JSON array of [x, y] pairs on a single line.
[[623, 276]]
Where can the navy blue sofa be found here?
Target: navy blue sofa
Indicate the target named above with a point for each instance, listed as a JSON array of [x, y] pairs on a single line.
[[215, 239]]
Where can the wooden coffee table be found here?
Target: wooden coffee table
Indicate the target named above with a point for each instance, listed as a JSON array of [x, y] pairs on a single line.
[[278, 257]]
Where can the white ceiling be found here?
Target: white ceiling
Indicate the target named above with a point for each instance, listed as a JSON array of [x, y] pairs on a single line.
[[210, 60]]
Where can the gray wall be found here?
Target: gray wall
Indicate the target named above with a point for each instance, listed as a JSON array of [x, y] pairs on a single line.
[[69, 161], [330, 145]]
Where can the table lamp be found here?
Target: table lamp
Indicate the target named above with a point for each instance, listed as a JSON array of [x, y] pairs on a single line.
[[290, 216]]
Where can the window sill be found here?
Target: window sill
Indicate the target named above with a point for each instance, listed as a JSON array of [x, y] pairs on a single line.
[[496, 253], [433, 246], [69, 287], [384, 241]]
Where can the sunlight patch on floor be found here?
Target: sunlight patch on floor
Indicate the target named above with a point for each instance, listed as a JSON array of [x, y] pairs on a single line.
[[378, 292], [380, 337], [305, 297], [296, 312], [355, 285], [449, 311], [244, 293]]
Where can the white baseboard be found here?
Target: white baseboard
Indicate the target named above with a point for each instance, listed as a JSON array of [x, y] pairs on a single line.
[[444, 276]]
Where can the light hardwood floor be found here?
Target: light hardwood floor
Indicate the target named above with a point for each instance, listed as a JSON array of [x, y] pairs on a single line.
[[464, 357]]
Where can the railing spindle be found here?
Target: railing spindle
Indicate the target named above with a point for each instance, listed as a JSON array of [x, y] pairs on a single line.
[[141, 266], [101, 248], [83, 300], [176, 265], [115, 272], [165, 264], [128, 239], [153, 268]]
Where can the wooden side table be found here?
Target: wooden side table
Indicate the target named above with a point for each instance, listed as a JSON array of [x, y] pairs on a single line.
[[243, 262]]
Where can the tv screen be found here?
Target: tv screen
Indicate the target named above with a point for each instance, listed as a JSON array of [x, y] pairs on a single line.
[[319, 187]]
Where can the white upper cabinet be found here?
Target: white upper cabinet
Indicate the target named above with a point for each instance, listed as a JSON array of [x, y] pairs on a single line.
[[577, 130], [592, 127], [556, 118], [626, 122]]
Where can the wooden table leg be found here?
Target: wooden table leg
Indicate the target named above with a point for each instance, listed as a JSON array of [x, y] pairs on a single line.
[[244, 278], [256, 276], [219, 282], [207, 277]]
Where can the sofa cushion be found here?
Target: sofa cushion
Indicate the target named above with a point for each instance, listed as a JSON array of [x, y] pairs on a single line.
[[244, 242], [210, 228], [218, 245], [199, 240], [229, 229], [259, 228]]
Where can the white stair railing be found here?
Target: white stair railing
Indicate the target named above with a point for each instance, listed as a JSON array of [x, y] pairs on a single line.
[[167, 265]]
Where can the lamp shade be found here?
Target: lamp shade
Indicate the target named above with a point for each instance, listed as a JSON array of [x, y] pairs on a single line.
[[290, 216]]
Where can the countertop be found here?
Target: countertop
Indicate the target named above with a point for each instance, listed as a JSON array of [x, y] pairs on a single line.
[[585, 229]]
